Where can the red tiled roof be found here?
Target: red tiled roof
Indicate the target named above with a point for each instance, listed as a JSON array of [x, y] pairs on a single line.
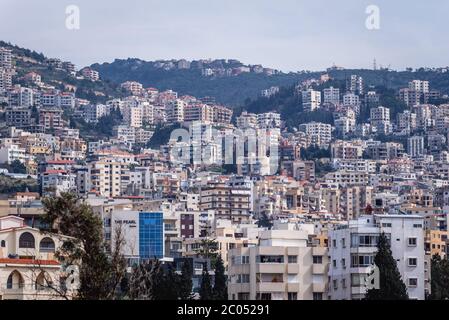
[[29, 261]]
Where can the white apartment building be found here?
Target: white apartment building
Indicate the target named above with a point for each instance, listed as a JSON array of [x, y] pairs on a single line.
[[380, 119], [247, 120], [345, 125], [351, 99], [331, 95], [352, 250], [281, 267], [133, 116], [269, 120], [319, 133], [5, 58], [415, 146], [311, 100], [175, 111], [12, 152], [419, 86]]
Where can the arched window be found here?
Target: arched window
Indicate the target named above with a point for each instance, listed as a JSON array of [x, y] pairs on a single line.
[[26, 240], [47, 245], [43, 281], [15, 280], [3, 244]]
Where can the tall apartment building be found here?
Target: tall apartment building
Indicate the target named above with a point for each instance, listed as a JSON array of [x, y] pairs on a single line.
[[354, 200], [407, 121], [318, 133], [331, 95], [18, 117], [311, 100], [247, 120], [228, 202], [20, 96], [419, 86], [5, 58], [198, 112], [351, 99], [380, 119], [355, 84], [415, 146], [109, 177], [222, 114], [90, 74], [51, 118], [175, 111], [5, 79], [281, 267], [352, 249], [269, 120]]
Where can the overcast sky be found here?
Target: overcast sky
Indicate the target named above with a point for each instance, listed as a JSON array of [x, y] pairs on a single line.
[[289, 35]]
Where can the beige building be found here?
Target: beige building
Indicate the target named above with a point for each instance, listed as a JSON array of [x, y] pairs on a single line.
[[281, 267], [29, 269]]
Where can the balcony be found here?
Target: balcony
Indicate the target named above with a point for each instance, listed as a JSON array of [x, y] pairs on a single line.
[[271, 287], [270, 268], [320, 268], [319, 287]]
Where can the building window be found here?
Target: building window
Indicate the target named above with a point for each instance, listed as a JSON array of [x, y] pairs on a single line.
[[419, 226], [26, 240], [243, 296], [343, 263], [412, 282], [292, 259], [412, 242], [334, 263], [292, 296], [412, 262], [3, 243], [269, 259], [335, 283], [317, 259], [334, 243], [317, 296], [47, 245]]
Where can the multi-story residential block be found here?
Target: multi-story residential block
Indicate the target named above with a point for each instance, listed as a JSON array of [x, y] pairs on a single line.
[[247, 120], [352, 250], [311, 100], [281, 267], [415, 146], [318, 133], [331, 95], [51, 118], [19, 117], [269, 120], [90, 74]]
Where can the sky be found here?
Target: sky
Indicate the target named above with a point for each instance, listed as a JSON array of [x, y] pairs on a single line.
[[289, 35]]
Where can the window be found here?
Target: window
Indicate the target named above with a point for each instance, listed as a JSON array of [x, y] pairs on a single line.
[[47, 245], [343, 263], [335, 283], [245, 259], [269, 259], [317, 296], [419, 226], [412, 282], [343, 283], [293, 296], [412, 242], [412, 262], [243, 296], [3, 243], [292, 259], [26, 240], [317, 259], [386, 225], [243, 278], [263, 296], [361, 260], [334, 243]]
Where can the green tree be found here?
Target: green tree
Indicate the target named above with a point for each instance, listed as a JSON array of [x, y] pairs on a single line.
[[220, 291], [186, 284], [170, 287], [206, 292], [100, 273], [208, 249], [391, 285], [439, 283]]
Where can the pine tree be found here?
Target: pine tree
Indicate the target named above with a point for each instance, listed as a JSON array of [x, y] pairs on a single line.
[[156, 281], [206, 288], [439, 278], [170, 285], [186, 284], [391, 285], [220, 285]]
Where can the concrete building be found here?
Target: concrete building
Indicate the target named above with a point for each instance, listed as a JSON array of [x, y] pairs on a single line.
[[281, 267], [352, 249], [311, 100]]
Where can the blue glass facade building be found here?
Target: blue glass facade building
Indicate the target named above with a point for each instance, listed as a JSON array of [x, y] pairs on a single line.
[[151, 235]]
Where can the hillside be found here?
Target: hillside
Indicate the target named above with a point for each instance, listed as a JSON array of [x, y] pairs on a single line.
[[230, 90]]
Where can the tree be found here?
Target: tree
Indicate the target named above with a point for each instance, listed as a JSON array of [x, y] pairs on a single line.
[[206, 287], [220, 291], [439, 283], [100, 273], [391, 285], [155, 281], [170, 287], [186, 284], [208, 249]]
